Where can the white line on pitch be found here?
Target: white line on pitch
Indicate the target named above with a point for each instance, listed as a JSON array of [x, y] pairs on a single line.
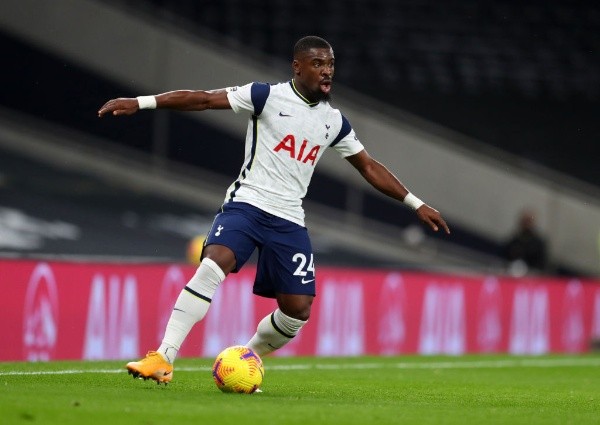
[[480, 364]]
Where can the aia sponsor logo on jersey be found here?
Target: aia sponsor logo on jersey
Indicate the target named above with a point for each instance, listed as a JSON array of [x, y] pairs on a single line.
[[300, 153]]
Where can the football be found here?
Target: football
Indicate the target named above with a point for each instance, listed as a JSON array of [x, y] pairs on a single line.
[[238, 369]]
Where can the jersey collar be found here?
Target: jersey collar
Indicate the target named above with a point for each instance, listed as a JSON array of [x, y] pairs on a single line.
[[305, 100]]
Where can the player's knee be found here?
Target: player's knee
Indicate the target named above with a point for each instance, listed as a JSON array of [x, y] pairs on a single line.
[[222, 255], [303, 314], [295, 306]]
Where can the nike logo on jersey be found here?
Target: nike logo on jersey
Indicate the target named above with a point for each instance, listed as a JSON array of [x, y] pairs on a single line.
[[281, 114], [305, 281]]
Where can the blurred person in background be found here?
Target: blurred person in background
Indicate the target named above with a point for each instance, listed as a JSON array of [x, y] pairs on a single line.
[[526, 247]]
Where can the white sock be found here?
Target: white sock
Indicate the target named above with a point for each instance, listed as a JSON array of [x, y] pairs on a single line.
[[273, 332], [191, 307]]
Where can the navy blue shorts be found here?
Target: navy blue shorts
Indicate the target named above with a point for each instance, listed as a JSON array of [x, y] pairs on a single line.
[[285, 257]]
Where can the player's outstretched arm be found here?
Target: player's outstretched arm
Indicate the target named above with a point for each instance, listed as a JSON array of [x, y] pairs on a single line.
[[180, 100], [383, 180]]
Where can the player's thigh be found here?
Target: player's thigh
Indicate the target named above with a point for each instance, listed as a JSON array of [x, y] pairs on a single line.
[[234, 231], [286, 265]]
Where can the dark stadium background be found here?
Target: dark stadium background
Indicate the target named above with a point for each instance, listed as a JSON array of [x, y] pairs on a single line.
[[519, 77]]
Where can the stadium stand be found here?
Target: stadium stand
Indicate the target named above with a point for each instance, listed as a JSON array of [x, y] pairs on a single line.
[[423, 72], [37, 95], [523, 77], [49, 211]]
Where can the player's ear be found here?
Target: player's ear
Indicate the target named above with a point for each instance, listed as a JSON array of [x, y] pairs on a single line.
[[296, 67]]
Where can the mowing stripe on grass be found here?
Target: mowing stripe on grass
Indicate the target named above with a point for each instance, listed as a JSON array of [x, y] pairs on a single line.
[[479, 364]]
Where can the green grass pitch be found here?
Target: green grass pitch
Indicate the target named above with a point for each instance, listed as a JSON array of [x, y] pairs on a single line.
[[304, 390]]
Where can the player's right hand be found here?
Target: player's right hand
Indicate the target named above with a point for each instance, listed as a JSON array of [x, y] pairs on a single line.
[[120, 106], [432, 218]]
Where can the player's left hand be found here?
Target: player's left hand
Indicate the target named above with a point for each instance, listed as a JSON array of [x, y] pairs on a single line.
[[432, 218]]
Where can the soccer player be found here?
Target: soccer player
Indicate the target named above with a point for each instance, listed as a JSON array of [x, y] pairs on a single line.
[[290, 126]]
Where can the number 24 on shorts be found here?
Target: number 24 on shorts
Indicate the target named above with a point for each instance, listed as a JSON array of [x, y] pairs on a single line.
[[301, 259]]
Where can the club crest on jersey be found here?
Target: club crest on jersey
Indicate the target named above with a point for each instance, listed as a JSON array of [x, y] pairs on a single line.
[[301, 154]]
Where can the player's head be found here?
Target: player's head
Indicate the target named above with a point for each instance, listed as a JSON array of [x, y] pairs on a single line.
[[313, 67], [310, 42]]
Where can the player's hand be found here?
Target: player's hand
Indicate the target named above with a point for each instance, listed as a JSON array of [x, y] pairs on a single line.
[[432, 218], [120, 106]]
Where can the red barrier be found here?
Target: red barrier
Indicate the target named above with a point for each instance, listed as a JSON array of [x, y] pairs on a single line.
[[63, 310]]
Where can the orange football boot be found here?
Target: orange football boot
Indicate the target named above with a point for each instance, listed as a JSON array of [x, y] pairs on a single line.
[[153, 366]]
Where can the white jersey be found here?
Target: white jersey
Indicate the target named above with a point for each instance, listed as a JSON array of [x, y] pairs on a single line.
[[286, 137]]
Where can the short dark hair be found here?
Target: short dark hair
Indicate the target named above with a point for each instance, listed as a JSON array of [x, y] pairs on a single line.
[[310, 42]]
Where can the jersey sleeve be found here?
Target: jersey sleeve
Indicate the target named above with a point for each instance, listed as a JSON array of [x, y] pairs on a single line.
[[240, 98], [250, 97], [346, 143]]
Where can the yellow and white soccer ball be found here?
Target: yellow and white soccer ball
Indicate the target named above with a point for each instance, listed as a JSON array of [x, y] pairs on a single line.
[[238, 369]]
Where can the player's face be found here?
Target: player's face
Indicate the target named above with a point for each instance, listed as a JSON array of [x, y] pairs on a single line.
[[313, 73]]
